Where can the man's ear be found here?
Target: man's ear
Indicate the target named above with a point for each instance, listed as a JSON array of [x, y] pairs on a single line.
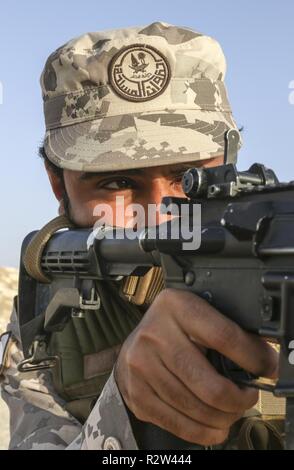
[[57, 183]]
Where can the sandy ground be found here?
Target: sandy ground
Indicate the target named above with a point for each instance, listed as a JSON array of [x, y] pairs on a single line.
[[8, 288]]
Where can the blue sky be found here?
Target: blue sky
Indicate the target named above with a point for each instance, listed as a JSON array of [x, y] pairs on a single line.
[[257, 38]]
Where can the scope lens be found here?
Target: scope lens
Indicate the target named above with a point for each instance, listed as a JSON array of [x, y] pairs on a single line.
[[191, 182]]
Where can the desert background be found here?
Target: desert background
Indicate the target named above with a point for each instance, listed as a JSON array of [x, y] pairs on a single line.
[[8, 288]]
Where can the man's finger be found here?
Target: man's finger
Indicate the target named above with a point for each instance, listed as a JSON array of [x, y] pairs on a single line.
[[215, 331], [187, 363], [173, 392], [147, 406]]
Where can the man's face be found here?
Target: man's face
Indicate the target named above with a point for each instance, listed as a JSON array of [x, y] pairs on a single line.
[[144, 186]]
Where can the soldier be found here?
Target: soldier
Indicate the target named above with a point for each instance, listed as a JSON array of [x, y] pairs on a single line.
[[127, 111]]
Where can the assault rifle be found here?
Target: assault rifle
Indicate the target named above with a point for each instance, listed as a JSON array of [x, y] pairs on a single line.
[[244, 266]]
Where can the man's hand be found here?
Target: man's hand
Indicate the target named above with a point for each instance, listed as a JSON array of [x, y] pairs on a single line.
[[165, 378]]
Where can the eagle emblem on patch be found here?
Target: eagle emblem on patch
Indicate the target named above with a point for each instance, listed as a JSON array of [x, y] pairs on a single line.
[[139, 73]]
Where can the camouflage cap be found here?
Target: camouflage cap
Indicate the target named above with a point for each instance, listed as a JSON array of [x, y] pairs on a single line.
[[135, 97]]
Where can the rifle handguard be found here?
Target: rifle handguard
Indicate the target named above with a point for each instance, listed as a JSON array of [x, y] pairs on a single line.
[[33, 254]]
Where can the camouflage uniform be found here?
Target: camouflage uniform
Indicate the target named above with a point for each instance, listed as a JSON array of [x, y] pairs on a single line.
[[38, 419], [120, 99]]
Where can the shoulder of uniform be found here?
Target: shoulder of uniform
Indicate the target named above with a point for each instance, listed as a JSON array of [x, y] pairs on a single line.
[[6, 342]]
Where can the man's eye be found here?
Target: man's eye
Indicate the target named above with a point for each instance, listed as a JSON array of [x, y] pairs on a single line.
[[178, 179], [118, 184]]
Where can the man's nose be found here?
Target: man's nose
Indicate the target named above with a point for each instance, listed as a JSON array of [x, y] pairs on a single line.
[[159, 189]]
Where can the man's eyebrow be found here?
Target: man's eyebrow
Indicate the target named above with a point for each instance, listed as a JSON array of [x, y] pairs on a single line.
[[170, 171], [183, 167], [87, 175]]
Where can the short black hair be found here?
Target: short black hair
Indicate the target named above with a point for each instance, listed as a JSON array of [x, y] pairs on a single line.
[[56, 169], [59, 172]]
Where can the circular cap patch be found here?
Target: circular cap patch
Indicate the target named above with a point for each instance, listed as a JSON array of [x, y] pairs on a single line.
[[139, 73]]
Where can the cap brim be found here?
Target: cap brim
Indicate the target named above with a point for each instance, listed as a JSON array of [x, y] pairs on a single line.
[[139, 140]]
